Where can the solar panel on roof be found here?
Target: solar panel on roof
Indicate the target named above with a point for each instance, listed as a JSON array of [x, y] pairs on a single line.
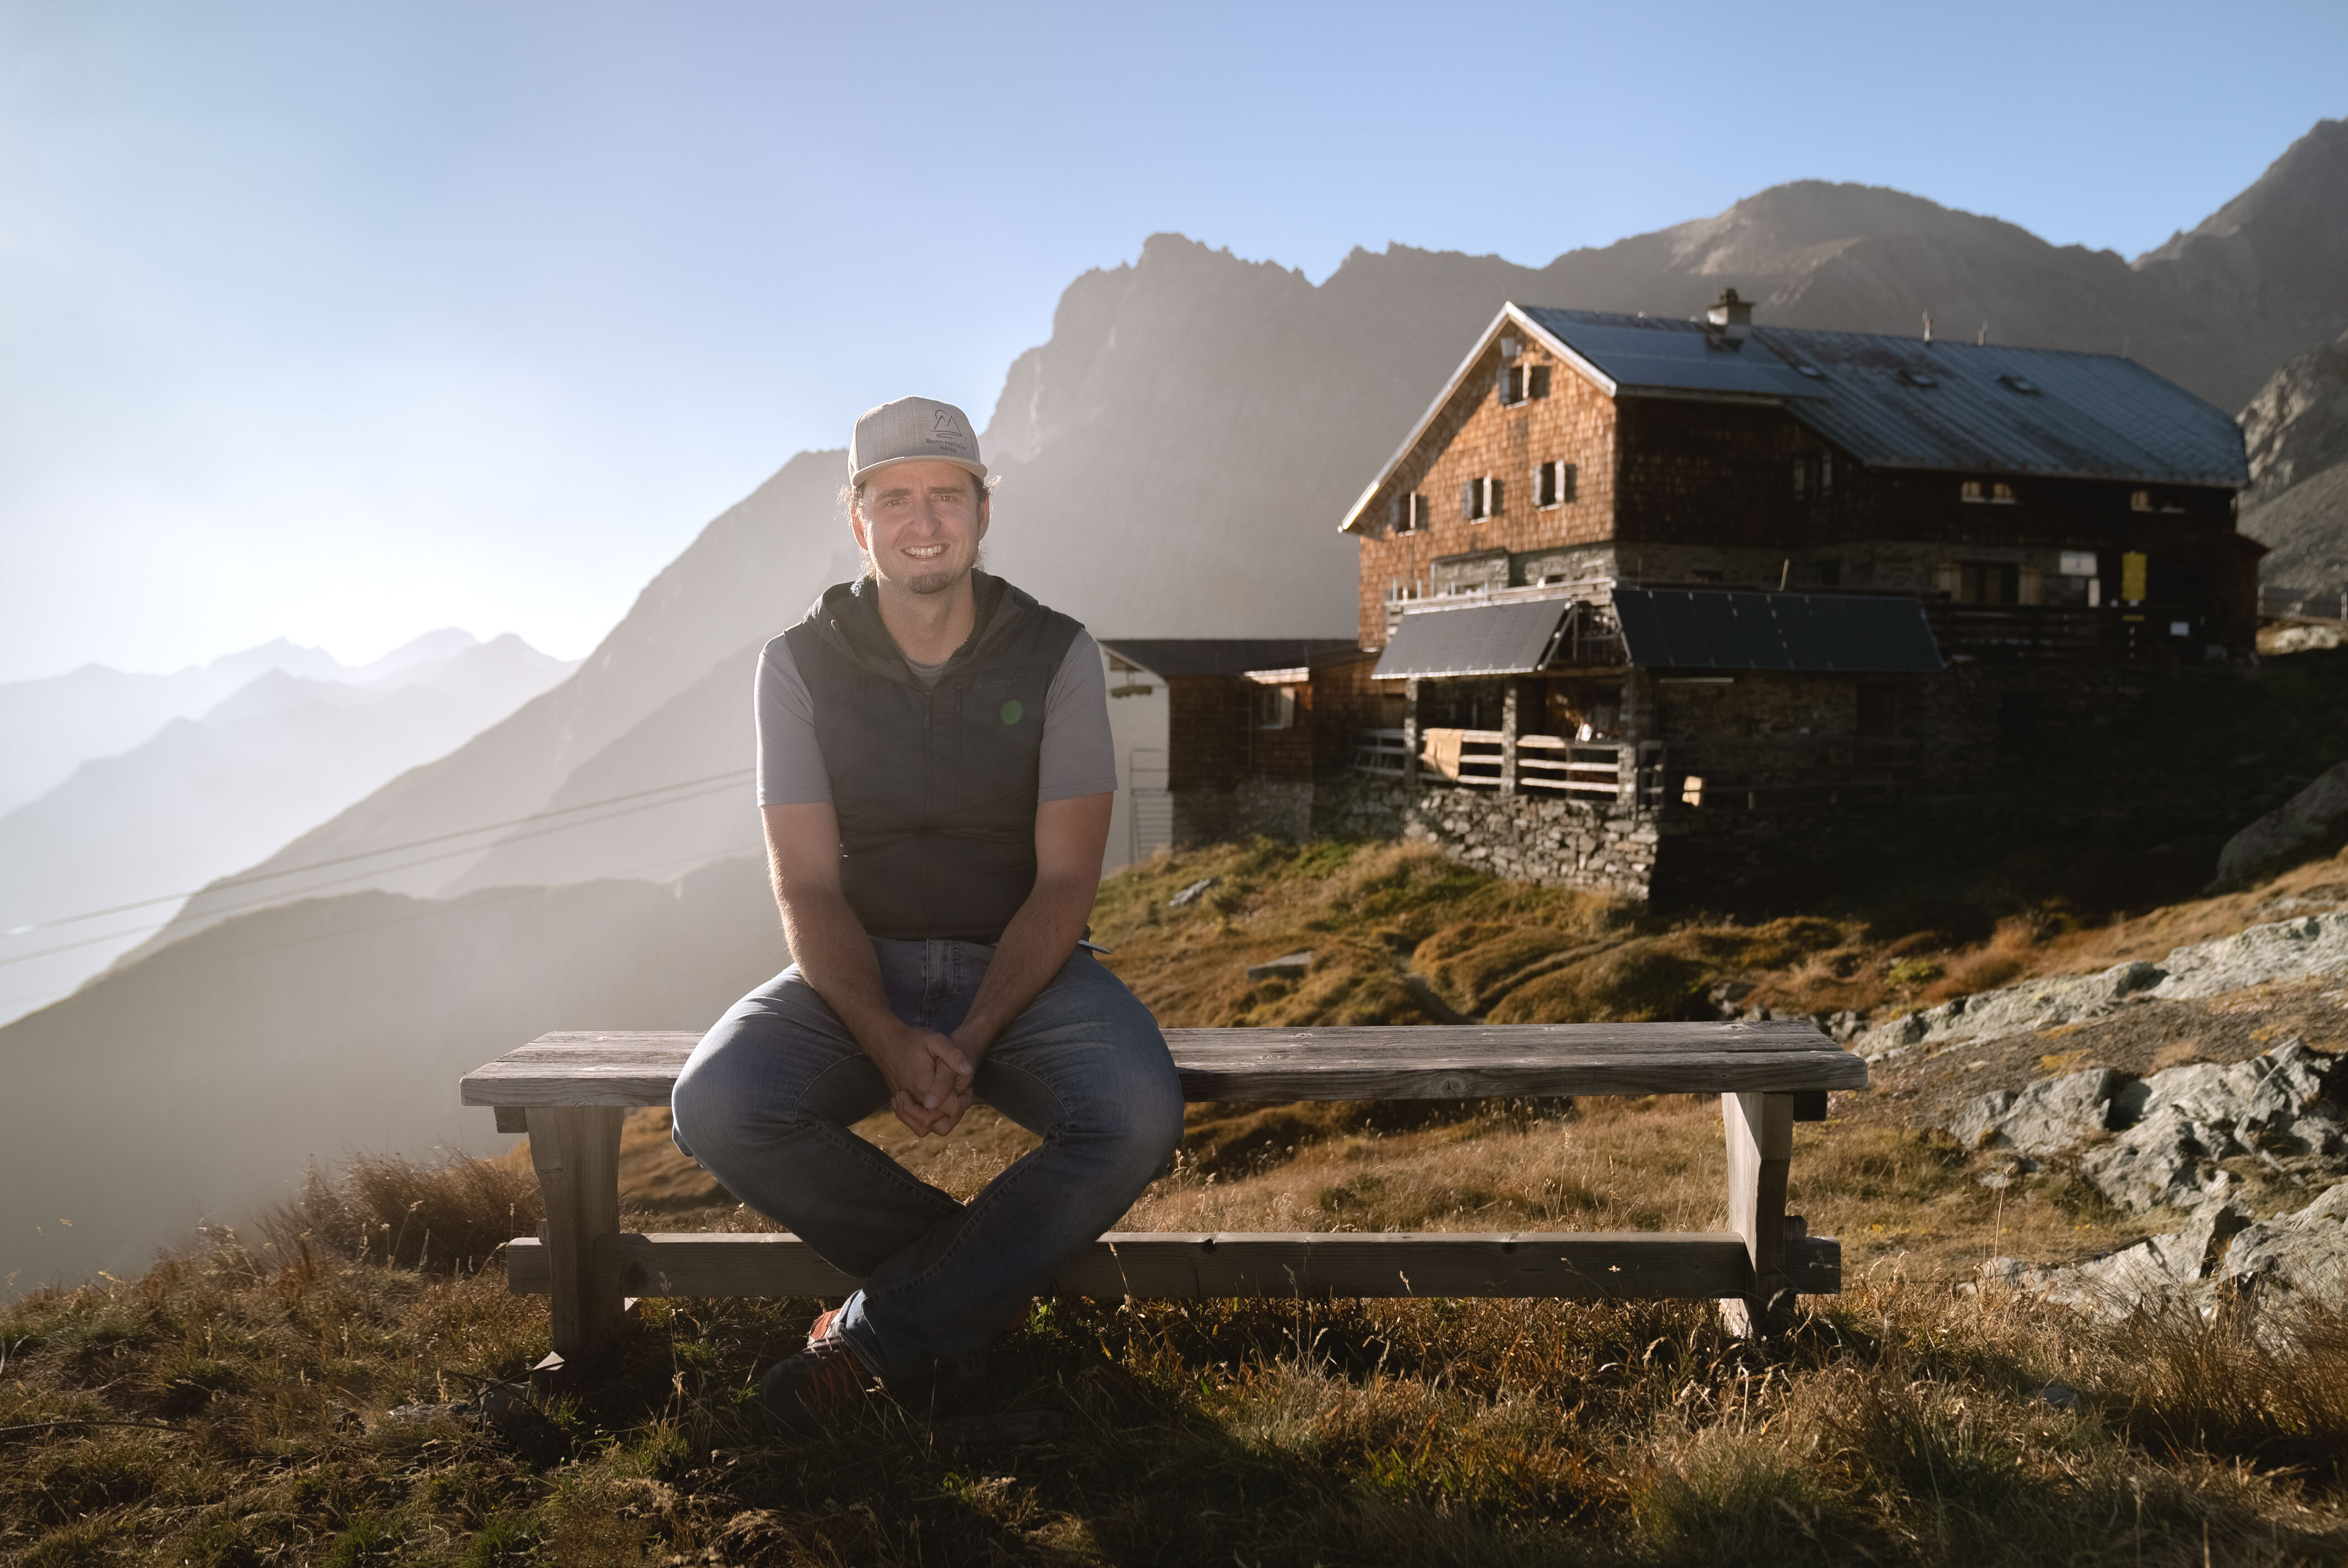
[[1724, 629], [1482, 639]]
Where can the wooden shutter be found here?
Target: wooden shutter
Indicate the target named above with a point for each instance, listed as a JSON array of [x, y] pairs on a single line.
[[1492, 500], [1567, 477], [1536, 382], [1469, 497]]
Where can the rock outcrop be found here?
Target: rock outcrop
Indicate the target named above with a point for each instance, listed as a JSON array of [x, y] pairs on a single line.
[[2312, 823], [2283, 950], [2171, 1129], [2040, 1004], [2052, 1114], [2221, 1256]]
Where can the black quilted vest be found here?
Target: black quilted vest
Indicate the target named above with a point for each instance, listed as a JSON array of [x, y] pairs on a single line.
[[935, 789]]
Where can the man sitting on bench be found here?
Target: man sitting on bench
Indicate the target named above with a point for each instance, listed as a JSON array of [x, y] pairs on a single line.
[[935, 772]]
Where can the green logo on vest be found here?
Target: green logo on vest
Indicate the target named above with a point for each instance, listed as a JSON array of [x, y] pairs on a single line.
[[1011, 711]]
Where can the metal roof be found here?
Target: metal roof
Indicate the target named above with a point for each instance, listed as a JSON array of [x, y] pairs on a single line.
[[1890, 400], [1507, 639], [1682, 357], [1724, 629], [1169, 658], [1915, 403]]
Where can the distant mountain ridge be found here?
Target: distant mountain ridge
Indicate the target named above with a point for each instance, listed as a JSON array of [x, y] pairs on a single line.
[[204, 796], [1173, 462], [49, 726]]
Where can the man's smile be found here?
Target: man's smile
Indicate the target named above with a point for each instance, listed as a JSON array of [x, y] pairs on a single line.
[[924, 552]]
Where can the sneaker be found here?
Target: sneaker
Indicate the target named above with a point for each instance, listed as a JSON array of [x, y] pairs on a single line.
[[820, 1329], [805, 1391]]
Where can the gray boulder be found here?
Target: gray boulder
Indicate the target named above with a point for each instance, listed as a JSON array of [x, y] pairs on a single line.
[[2302, 1256], [2183, 1265], [2050, 1115], [2257, 1102], [2312, 823], [2165, 1160], [2038, 1004], [2187, 1118], [2281, 951]]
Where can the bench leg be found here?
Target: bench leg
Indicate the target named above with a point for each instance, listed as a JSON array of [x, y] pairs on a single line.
[[1760, 1129], [576, 1151]]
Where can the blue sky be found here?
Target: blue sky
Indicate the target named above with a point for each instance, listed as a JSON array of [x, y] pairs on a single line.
[[344, 322]]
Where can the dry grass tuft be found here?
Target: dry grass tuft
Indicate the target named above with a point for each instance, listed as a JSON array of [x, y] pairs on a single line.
[[455, 1214]]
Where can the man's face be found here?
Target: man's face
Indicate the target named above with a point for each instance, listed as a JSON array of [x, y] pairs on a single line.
[[920, 523]]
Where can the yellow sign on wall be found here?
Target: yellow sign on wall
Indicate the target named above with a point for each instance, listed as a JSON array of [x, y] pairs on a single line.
[[2132, 577]]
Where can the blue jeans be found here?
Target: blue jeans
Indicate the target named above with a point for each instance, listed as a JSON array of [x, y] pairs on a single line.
[[766, 1101]]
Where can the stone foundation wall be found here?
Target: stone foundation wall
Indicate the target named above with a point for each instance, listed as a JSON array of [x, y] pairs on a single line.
[[1532, 838], [1274, 808]]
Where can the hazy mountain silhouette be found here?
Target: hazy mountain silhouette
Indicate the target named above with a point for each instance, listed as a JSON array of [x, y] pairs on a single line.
[[195, 1084], [202, 797], [50, 726], [1173, 461]]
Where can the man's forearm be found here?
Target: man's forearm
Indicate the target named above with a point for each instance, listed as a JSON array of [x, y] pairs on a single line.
[[1035, 944], [828, 944]]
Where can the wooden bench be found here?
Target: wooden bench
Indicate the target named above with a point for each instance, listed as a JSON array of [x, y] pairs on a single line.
[[570, 1091]]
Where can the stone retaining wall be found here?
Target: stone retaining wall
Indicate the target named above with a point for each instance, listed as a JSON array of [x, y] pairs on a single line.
[[1533, 838]]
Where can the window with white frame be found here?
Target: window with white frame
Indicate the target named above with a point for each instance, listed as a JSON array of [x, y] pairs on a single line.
[[1553, 484], [1480, 497], [1410, 513], [1522, 384]]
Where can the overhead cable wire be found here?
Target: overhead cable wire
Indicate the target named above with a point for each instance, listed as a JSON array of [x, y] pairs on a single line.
[[379, 871], [250, 877], [449, 906]]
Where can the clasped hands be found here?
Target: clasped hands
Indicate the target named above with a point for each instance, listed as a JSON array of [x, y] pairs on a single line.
[[929, 1076]]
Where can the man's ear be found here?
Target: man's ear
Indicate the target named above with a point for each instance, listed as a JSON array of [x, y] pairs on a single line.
[[856, 525], [985, 512]]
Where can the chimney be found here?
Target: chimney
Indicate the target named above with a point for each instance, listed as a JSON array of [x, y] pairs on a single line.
[[1733, 316]]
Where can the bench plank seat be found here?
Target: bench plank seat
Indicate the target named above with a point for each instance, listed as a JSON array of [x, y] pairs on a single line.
[[1582, 1266], [1277, 1065]]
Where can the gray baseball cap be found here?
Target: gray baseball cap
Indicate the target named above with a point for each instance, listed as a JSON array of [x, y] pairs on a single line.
[[913, 430]]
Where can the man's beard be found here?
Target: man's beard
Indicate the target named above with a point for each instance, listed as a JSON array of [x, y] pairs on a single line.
[[939, 581]]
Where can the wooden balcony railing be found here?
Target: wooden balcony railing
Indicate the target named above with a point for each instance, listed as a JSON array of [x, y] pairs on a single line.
[[1380, 752], [1545, 763]]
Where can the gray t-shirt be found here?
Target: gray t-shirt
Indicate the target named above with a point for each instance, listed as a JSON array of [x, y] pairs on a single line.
[[1079, 758]]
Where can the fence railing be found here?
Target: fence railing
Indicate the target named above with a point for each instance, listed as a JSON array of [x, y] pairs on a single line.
[[1548, 762], [1381, 752], [1731, 775], [1570, 767]]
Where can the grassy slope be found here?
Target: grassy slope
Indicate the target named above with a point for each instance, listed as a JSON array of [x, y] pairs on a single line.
[[1900, 1423]]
